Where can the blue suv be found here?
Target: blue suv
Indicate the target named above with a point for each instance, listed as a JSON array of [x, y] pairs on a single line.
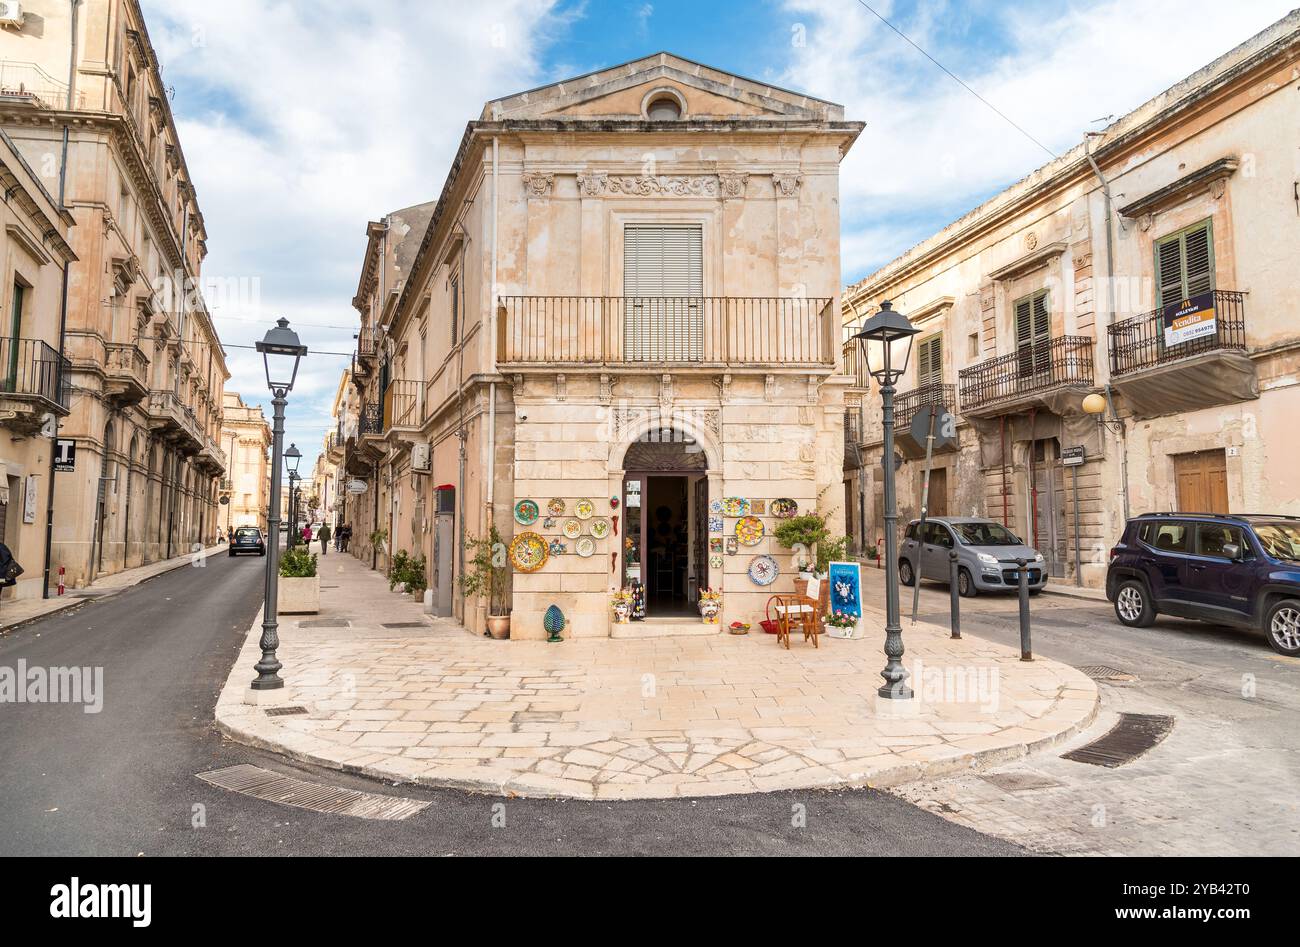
[[1229, 570]]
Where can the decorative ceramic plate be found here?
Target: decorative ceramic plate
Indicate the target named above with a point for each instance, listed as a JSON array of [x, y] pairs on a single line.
[[749, 530], [548, 523], [528, 552], [784, 509], [600, 527], [715, 524], [555, 507], [558, 548], [763, 570], [584, 509], [585, 547], [572, 529], [715, 506], [715, 562], [735, 506], [758, 507], [526, 512]]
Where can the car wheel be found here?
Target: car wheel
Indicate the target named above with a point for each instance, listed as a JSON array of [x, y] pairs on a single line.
[[1133, 605], [905, 573], [261, 552], [1283, 627], [966, 584]]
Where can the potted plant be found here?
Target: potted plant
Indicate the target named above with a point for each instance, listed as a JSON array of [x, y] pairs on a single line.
[[840, 625], [815, 549], [299, 587], [486, 574]]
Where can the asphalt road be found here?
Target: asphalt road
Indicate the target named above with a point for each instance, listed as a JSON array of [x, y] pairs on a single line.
[[122, 781]]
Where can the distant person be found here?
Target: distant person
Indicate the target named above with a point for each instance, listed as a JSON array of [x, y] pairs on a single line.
[[306, 534], [324, 535], [347, 535]]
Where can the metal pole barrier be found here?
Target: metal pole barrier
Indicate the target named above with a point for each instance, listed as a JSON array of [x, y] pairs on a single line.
[[1078, 548], [954, 594], [1026, 647]]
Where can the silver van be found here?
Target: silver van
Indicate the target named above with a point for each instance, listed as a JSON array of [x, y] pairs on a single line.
[[986, 555]]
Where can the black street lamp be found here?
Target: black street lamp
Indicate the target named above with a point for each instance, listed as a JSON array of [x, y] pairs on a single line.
[[886, 341], [281, 351], [292, 458]]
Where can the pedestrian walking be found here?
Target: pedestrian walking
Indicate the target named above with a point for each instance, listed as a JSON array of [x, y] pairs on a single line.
[[306, 534], [346, 530], [324, 535]]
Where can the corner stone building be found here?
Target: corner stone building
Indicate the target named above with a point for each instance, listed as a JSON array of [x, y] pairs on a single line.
[[626, 294]]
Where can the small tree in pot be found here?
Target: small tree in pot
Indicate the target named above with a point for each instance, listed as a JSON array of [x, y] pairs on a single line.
[[486, 574], [815, 549], [299, 587]]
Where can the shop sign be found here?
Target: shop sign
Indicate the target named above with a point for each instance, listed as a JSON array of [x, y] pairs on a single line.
[[1190, 319]]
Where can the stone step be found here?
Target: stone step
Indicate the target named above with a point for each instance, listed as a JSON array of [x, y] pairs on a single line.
[[665, 628]]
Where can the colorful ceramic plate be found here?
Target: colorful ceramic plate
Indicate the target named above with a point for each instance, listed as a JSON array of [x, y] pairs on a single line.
[[528, 552], [584, 509], [715, 506], [572, 529], [600, 528], [558, 548], [555, 507], [763, 570], [749, 530], [735, 506], [784, 509], [526, 512], [585, 547], [715, 562], [715, 524]]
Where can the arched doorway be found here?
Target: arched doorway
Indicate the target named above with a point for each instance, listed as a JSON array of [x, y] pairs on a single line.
[[665, 502]]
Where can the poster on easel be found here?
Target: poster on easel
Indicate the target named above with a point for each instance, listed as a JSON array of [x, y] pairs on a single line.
[[845, 580]]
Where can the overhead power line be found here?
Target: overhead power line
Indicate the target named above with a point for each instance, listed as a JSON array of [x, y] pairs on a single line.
[[957, 80]]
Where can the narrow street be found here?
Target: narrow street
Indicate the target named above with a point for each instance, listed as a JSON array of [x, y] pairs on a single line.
[[122, 782]]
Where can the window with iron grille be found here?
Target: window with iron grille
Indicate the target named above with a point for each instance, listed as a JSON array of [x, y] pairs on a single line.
[[929, 365], [1034, 333], [1185, 264]]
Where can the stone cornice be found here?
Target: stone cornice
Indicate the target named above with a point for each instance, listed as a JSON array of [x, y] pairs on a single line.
[[1207, 178]]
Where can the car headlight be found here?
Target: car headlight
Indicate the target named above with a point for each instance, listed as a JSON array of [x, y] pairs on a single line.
[[987, 559], [1039, 558]]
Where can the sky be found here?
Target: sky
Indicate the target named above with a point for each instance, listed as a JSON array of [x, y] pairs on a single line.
[[302, 120]]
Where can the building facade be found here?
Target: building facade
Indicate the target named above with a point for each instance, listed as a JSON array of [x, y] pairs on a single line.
[[621, 312], [81, 95], [35, 256], [1152, 265], [246, 441]]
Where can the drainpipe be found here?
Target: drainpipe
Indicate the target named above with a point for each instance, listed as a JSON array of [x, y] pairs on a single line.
[[63, 304], [492, 342], [1110, 297]]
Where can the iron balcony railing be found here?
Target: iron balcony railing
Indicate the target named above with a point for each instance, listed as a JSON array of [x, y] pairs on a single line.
[[1140, 343], [366, 346], [932, 393], [1067, 361], [33, 368], [853, 426], [371, 420], [402, 404], [855, 366], [628, 330], [29, 83]]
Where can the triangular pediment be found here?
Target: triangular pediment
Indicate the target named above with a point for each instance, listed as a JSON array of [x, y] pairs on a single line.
[[622, 92]]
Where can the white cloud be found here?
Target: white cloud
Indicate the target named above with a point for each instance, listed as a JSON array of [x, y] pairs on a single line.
[[300, 122], [931, 149]]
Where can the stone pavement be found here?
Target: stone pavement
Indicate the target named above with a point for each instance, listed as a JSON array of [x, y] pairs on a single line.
[[24, 610], [393, 694]]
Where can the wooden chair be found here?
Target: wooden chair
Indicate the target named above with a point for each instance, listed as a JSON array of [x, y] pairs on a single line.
[[800, 609]]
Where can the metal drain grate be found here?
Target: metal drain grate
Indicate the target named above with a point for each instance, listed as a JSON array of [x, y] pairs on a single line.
[[404, 624], [285, 790], [1102, 672], [1134, 735], [325, 623], [284, 711]]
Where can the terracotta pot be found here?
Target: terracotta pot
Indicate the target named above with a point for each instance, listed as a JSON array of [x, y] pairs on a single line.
[[499, 626]]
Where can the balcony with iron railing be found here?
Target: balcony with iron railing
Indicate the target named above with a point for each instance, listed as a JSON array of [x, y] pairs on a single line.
[[34, 380], [174, 420], [403, 405], [1184, 358], [29, 84], [370, 422], [1041, 373], [854, 365], [126, 373], [594, 331]]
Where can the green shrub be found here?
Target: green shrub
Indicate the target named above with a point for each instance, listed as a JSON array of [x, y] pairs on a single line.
[[809, 533], [297, 563], [487, 572], [409, 571]]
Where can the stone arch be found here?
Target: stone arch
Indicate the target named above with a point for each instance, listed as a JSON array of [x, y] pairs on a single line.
[[695, 427]]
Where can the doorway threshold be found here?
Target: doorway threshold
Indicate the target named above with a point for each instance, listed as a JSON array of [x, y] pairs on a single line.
[[665, 628]]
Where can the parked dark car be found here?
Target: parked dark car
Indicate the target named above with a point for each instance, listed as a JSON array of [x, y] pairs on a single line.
[[1242, 571], [247, 539]]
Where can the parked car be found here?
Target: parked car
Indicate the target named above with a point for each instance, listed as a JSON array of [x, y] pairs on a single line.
[[247, 539], [1242, 571], [987, 554]]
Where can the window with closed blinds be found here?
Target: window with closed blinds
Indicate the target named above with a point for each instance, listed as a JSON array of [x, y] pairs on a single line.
[[929, 365], [663, 286], [1033, 333], [1185, 264]]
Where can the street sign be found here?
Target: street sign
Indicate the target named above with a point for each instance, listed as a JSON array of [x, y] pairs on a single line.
[[1074, 456], [945, 426], [357, 486], [898, 463], [65, 456], [224, 501]]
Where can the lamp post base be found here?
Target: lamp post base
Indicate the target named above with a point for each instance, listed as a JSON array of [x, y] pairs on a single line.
[[899, 691]]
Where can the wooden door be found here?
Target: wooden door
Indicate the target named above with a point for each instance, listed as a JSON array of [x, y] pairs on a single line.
[[1202, 480], [938, 500]]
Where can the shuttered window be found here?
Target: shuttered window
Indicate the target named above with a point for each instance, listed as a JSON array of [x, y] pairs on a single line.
[[1033, 333], [929, 365], [1185, 264], [455, 310], [663, 282]]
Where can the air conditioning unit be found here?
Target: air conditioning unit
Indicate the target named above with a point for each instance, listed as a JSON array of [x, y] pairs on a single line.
[[11, 13], [421, 458]]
